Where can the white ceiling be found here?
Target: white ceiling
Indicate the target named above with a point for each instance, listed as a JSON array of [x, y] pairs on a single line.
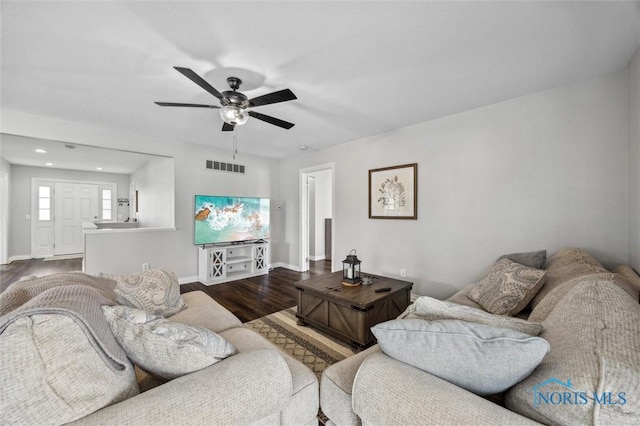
[[358, 68], [72, 156]]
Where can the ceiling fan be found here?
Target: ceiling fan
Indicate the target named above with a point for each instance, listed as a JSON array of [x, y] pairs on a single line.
[[234, 109]]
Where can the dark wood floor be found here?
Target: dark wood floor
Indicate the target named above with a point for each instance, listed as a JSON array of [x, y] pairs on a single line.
[[247, 299], [256, 297], [39, 267]]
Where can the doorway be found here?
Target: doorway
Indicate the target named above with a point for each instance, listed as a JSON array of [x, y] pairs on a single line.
[[75, 203], [59, 211], [316, 214]]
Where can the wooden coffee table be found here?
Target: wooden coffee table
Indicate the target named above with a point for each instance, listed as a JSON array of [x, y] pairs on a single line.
[[348, 313]]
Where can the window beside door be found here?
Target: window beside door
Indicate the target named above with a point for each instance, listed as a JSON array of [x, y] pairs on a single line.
[[107, 197], [44, 203]]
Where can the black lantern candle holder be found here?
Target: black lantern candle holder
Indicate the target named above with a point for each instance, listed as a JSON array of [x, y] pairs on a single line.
[[351, 269]]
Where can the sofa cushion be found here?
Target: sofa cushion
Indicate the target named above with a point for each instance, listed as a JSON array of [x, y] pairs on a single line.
[[336, 388], [389, 392], [507, 288], [203, 311], [303, 405], [246, 389], [162, 347], [461, 297], [594, 333], [533, 259], [566, 264], [476, 357], [52, 372], [431, 309], [631, 280], [156, 291], [58, 359], [548, 304]]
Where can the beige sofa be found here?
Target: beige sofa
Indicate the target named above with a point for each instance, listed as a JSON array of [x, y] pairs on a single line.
[[258, 385], [591, 320]]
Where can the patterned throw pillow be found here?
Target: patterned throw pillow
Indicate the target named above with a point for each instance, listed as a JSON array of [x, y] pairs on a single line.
[[156, 291], [507, 288], [162, 347]]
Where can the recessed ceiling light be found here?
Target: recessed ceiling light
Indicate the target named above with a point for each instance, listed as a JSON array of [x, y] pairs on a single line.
[[98, 168], [303, 147], [41, 151], [48, 164]]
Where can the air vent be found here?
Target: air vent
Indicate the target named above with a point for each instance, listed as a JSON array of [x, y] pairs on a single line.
[[225, 167]]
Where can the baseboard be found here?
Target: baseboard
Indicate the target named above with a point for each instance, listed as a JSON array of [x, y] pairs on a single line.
[[316, 258], [188, 280], [64, 257], [285, 265], [22, 257]]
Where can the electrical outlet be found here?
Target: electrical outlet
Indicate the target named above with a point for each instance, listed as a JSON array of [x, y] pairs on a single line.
[[145, 266], [403, 272]]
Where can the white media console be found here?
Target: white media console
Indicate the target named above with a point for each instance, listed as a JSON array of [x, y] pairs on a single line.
[[222, 263]]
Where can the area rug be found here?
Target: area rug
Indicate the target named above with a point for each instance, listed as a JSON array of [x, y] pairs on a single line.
[[313, 348]]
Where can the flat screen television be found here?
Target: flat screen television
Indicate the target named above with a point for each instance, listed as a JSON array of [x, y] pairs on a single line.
[[222, 219]]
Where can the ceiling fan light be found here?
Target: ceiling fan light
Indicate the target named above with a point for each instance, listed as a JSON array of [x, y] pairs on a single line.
[[233, 115]]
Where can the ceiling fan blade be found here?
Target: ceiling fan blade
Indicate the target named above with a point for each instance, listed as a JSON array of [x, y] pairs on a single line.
[[271, 120], [176, 104], [273, 98], [191, 75], [226, 127]]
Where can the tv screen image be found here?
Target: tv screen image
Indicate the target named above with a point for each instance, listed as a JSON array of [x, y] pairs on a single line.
[[221, 219]]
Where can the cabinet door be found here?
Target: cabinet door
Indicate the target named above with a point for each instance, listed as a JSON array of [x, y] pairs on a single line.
[[216, 264], [260, 257]]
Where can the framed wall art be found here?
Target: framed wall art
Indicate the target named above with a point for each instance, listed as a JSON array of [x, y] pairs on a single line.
[[393, 192]]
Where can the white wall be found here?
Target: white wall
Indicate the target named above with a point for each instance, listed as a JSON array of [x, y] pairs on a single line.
[[546, 170], [538, 172], [634, 161], [5, 182], [155, 183], [124, 252], [20, 199]]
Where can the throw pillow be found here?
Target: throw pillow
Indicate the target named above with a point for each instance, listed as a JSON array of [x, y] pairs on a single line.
[[163, 347], [476, 357], [534, 259], [430, 309], [567, 263], [156, 291], [507, 288]]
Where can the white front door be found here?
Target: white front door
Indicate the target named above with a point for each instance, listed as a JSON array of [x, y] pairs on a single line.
[[75, 203]]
